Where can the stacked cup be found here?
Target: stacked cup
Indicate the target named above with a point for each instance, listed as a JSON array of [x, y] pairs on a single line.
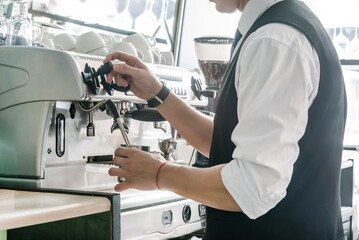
[[101, 44], [64, 42], [145, 45], [91, 43], [126, 47]]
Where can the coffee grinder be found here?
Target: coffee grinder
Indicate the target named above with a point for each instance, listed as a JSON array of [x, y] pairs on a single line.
[[213, 54]]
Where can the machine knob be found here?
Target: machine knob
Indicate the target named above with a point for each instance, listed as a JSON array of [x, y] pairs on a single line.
[[104, 69], [120, 89], [197, 90], [89, 78], [209, 93], [107, 86], [72, 111]]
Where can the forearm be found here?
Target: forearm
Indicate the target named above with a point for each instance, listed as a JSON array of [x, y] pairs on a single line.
[[195, 127], [200, 184]]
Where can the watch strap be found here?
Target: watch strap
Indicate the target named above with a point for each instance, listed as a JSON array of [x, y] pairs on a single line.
[[159, 98]]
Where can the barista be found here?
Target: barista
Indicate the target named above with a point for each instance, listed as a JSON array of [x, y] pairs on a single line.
[[275, 143]]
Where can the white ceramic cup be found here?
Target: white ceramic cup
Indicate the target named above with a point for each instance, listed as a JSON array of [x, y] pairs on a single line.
[[118, 38], [125, 47], [144, 44], [168, 58], [99, 52], [147, 55], [48, 35], [157, 57], [64, 41], [47, 43], [109, 39], [89, 42]]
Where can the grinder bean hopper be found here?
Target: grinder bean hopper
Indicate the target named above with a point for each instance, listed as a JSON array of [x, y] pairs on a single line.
[[213, 54]]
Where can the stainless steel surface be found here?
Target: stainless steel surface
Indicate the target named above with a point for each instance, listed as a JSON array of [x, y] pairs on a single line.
[[39, 84], [160, 125], [178, 33], [167, 146], [56, 134]]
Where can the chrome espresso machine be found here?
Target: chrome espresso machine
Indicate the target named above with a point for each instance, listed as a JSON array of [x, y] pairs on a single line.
[[60, 123]]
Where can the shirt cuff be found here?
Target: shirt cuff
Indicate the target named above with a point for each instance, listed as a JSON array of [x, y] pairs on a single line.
[[244, 191]]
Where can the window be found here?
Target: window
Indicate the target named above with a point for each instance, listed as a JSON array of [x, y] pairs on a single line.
[[341, 20], [150, 17]]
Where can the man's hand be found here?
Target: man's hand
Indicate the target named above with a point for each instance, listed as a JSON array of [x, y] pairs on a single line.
[[135, 73], [139, 168]]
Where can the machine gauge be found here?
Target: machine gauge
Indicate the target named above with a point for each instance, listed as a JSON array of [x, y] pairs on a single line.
[[167, 218], [186, 213]]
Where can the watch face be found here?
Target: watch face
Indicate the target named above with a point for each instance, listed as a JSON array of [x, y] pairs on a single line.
[[159, 98], [153, 103]]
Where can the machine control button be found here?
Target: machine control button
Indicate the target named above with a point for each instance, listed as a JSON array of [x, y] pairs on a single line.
[[167, 218], [72, 111], [202, 210], [186, 213]]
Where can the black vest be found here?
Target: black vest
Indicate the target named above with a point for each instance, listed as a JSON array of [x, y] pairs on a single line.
[[311, 208]]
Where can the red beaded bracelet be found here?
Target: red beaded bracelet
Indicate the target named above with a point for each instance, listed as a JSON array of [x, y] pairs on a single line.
[[158, 171]]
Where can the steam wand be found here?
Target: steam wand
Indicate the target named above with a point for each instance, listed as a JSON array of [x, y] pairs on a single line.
[[117, 120]]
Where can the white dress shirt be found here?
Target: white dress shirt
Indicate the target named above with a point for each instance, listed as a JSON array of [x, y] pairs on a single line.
[[277, 78]]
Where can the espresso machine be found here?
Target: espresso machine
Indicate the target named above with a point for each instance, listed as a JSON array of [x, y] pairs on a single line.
[[213, 54], [60, 123]]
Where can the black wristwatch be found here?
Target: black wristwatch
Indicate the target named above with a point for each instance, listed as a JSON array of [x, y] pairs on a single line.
[[159, 98]]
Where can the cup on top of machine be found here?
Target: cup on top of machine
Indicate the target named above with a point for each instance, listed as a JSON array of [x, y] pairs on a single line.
[[167, 58], [99, 52], [48, 43], [109, 39], [91, 43], [125, 47], [145, 45], [64, 42]]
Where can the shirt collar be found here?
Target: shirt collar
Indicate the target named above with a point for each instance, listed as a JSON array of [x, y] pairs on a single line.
[[251, 12]]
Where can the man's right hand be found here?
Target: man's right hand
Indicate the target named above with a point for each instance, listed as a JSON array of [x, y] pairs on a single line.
[[132, 71]]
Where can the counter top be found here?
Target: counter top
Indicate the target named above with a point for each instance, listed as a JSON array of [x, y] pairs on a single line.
[[25, 208]]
